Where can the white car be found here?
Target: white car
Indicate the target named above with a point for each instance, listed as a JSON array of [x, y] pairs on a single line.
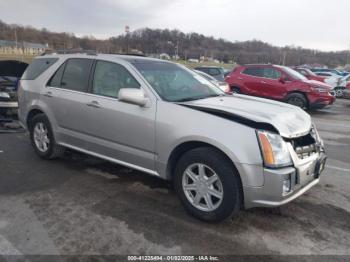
[[220, 84]]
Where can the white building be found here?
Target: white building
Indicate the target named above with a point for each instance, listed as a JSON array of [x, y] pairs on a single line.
[[11, 47]]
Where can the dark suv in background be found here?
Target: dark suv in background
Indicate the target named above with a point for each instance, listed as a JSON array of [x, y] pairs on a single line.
[[280, 83]]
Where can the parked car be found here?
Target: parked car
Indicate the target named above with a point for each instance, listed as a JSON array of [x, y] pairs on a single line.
[[327, 74], [222, 85], [217, 72], [346, 91], [309, 74], [10, 72], [280, 83], [222, 152], [326, 70], [341, 86], [344, 73]]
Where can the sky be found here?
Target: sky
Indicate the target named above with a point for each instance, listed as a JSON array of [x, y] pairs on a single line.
[[313, 24]]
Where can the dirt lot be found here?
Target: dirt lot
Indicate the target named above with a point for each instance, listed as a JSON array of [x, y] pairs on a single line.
[[82, 205]]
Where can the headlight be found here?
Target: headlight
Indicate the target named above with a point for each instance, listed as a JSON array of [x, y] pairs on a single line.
[[319, 89], [273, 149]]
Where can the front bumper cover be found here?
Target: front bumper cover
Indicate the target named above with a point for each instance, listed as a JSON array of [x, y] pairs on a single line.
[[303, 176]]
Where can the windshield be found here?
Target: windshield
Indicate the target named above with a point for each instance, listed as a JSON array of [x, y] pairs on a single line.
[[294, 74], [175, 83]]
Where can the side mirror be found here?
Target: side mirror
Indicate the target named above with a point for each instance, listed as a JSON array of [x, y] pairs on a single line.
[[282, 79], [133, 96]]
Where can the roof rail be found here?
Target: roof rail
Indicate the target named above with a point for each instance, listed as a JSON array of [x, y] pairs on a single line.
[[70, 51], [128, 54]]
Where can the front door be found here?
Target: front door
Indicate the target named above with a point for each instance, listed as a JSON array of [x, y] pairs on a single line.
[[120, 130]]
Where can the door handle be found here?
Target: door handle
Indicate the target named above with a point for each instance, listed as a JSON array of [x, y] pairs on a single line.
[[263, 82], [94, 104], [240, 78], [48, 94]]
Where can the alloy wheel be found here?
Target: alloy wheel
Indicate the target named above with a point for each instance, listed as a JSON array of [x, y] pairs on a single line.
[[41, 139], [296, 101], [202, 187]]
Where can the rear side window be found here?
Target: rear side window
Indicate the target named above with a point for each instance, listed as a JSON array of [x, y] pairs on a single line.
[[76, 74], [55, 80], [37, 67], [254, 71]]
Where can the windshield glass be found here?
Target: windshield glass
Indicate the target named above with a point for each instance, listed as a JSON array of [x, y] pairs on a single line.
[[294, 74], [175, 83]]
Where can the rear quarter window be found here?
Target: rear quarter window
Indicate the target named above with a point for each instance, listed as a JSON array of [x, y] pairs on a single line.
[[37, 67]]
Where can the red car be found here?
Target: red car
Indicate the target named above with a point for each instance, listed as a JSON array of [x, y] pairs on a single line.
[[280, 83], [346, 91], [309, 74]]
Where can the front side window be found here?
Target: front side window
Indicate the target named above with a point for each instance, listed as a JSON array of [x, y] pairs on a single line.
[[76, 74], [174, 83], [271, 73], [109, 78], [292, 73]]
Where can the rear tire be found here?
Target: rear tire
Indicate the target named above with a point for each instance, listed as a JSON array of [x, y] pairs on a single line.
[[217, 200], [42, 138], [297, 99]]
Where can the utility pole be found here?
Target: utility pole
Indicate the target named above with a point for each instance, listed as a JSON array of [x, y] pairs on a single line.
[[127, 30], [16, 36], [177, 50], [284, 58]]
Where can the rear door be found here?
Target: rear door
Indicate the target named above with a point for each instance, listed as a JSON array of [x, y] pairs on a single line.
[[252, 80], [66, 98]]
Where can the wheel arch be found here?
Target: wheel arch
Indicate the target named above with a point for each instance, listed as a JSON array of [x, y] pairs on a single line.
[[184, 147], [298, 92], [32, 113]]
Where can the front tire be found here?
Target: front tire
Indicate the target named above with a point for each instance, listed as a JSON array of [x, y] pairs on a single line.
[[42, 138], [208, 185], [297, 99]]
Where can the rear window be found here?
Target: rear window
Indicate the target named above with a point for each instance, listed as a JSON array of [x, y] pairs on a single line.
[[37, 67]]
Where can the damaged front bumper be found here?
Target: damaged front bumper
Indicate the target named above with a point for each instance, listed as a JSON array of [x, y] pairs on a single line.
[[282, 185]]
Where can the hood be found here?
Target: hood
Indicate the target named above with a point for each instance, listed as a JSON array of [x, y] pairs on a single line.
[[288, 120], [318, 83]]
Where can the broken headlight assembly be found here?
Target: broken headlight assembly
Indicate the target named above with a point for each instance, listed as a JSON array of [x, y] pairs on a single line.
[[274, 149]]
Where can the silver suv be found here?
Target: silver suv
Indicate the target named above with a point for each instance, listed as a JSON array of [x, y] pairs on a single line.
[[222, 152]]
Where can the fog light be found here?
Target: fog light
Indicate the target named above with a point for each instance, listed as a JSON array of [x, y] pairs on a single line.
[[287, 186]]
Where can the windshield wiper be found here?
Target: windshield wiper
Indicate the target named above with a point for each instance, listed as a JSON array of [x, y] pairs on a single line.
[[198, 98]]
